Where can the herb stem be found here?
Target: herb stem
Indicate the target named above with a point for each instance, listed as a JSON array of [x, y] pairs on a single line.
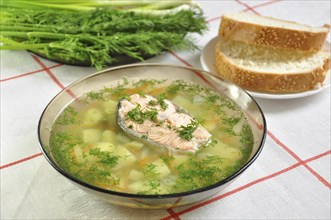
[[23, 47], [22, 28]]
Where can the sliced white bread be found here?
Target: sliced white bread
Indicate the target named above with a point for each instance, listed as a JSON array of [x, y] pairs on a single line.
[[265, 31], [265, 69]]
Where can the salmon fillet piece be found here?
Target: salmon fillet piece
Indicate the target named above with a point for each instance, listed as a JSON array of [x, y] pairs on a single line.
[[161, 122]]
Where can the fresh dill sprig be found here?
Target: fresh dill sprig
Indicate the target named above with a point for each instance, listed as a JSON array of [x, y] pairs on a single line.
[[97, 37]]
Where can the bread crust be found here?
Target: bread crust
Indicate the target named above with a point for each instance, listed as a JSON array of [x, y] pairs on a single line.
[[272, 36], [269, 82]]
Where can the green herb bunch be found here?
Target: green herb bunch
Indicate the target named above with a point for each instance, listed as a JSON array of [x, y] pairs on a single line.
[[98, 37]]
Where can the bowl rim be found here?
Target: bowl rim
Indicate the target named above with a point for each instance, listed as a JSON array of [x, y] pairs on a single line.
[[154, 196]]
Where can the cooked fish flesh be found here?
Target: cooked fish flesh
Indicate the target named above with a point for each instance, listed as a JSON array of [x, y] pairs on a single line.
[[160, 122]]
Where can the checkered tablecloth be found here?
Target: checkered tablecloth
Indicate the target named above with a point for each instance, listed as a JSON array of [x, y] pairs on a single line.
[[290, 180]]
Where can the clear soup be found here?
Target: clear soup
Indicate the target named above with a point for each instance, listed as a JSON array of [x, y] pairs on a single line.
[[87, 142]]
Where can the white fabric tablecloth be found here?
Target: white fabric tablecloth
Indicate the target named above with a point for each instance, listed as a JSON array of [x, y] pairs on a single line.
[[290, 180]]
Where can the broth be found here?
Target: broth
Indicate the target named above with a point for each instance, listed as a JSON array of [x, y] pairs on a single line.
[[87, 142]]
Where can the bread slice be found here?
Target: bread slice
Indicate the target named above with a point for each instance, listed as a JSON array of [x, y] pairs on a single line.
[[265, 31], [265, 69]]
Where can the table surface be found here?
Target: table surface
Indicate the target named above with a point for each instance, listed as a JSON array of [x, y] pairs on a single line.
[[290, 179]]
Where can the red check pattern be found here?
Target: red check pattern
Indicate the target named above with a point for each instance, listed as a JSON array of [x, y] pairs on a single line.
[[174, 215], [299, 162]]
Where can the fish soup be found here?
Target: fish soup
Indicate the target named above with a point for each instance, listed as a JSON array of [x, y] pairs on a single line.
[[87, 141]]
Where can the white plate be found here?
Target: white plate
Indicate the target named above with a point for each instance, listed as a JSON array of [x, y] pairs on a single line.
[[207, 62]]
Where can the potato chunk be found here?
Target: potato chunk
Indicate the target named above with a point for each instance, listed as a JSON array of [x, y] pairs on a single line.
[[91, 135], [104, 146], [161, 168], [108, 135], [126, 157], [92, 116], [110, 106], [135, 175]]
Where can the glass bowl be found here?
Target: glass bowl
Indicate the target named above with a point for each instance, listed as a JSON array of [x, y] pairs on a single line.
[[110, 77]]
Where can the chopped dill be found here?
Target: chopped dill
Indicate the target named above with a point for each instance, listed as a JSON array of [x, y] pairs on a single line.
[[161, 102], [105, 116], [68, 117], [186, 132], [150, 170], [96, 166], [95, 95], [196, 173], [160, 123], [139, 116], [153, 102], [119, 91], [212, 98], [246, 139], [62, 138], [142, 94], [153, 187], [136, 115], [95, 175], [106, 158], [229, 131], [151, 114], [231, 121], [183, 86], [153, 184], [126, 97], [211, 143], [60, 144], [167, 159], [150, 82]]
